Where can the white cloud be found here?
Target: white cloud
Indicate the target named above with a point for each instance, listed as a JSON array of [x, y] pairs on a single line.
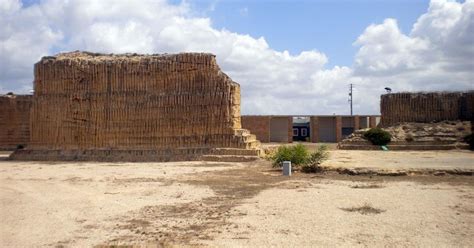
[[384, 49], [24, 37], [450, 28], [435, 55], [7, 6]]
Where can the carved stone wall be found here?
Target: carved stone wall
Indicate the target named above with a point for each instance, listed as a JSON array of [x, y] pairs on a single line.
[[180, 104], [14, 121], [426, 107]]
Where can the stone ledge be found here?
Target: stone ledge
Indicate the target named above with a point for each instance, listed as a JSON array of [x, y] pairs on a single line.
[[400, 172], [229, 158], [112, 155], [402, 147], [128, 155]]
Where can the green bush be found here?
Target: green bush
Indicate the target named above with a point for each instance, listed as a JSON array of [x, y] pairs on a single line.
[[297, 154], [378, 136], [313, 164], [300, 156], [470, 140]]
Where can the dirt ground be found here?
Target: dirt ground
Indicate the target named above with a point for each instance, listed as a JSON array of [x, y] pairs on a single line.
[[234, 204], [413, 160]]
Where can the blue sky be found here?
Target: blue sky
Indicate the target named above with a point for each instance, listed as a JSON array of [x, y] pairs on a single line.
[[408, 45], [327, 26]]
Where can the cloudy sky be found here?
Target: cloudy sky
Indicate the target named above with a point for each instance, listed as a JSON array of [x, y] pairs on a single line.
[[290, 57]]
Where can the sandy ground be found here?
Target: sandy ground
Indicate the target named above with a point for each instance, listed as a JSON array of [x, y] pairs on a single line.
[[234, 204], [313, 214], [455, 159]]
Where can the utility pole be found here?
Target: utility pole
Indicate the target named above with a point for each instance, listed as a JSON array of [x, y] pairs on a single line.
[[350, 95]]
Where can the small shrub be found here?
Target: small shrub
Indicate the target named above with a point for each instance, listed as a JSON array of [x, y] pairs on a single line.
[[297, 154], [20, 146], [470, 140], [300, 154], [283, 153], [313, 164], [378, 136]]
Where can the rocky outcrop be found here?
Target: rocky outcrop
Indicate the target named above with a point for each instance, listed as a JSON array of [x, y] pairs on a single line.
[[443, 135], [14, 121], [133, 107], [426, 107]]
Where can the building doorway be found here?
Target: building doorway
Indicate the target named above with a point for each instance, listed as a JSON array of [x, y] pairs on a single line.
[[301, 129], [347, 126]]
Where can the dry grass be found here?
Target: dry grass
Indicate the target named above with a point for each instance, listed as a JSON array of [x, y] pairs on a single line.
[[367, 186], [364, 209]]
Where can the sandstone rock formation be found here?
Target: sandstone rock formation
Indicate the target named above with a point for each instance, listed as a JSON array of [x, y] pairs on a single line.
[[134, 107], [14, 121], [426, 107], [442, 135]]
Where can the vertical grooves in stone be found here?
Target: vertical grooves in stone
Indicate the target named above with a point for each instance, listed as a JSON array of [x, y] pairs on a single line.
[[14, 121], [87, 101], [426, 107]]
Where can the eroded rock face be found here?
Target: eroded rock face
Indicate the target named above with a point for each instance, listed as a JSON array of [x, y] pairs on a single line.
[[14, 121], [180, 104], [416, 136], [426, 107]]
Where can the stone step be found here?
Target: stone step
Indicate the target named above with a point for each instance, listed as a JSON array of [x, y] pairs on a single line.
[[249, 138], [415, 142], [436, 135], [434, 138], [355, 142], [228, 158], [252, 145], [420, 147], [235, 151], [241, 132]]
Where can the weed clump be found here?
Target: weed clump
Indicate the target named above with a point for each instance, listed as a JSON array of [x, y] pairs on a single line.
[[313, 164], [364, 209], [378, 136], [296, 154], [299, 156], [367, 186]]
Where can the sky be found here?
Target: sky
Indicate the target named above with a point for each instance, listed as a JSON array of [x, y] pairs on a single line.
[[290, 57], [327, 26]]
